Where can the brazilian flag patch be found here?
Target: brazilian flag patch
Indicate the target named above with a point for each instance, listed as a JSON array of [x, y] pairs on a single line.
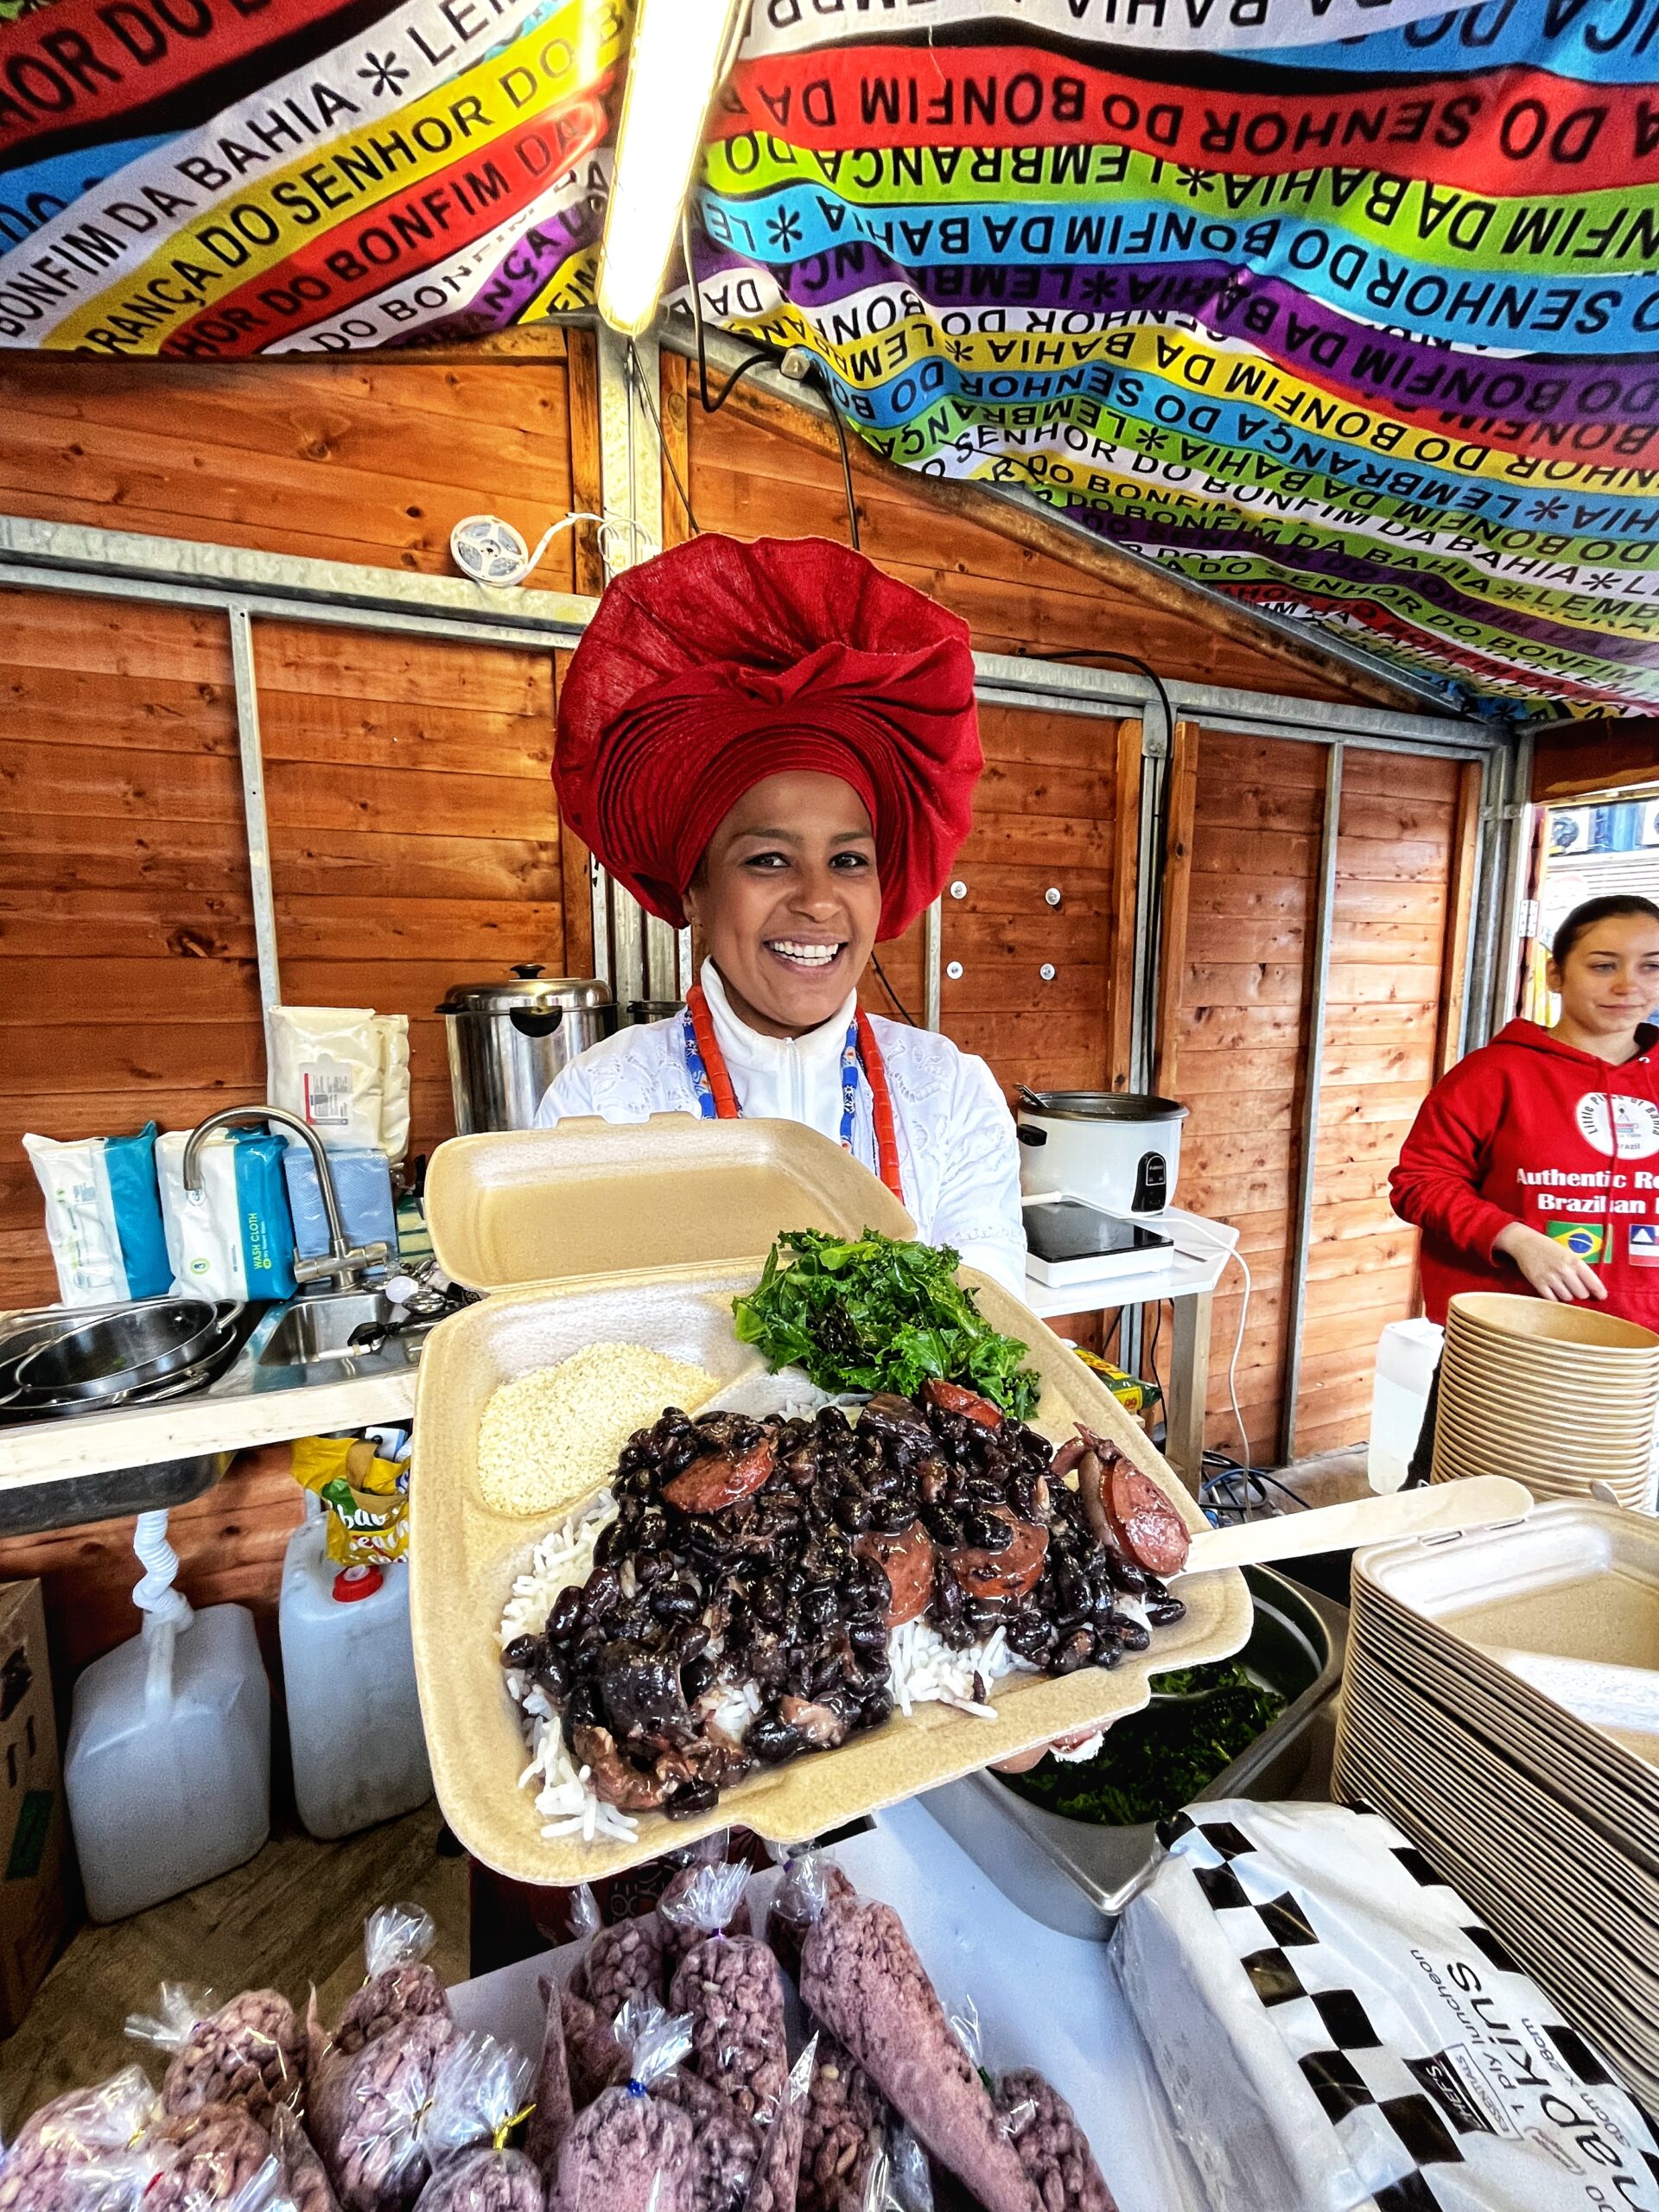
[[1582, 1239]]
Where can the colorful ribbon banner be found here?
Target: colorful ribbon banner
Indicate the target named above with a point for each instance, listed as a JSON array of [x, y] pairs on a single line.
[[1343, 307]]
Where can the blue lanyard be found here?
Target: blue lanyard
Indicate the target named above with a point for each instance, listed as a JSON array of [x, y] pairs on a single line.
[[705, 1090]]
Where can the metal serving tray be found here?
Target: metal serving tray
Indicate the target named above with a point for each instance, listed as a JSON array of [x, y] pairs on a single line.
[[1076, 1876]]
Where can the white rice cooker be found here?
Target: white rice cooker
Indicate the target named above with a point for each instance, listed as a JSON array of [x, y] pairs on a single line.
[[1117, 1150]]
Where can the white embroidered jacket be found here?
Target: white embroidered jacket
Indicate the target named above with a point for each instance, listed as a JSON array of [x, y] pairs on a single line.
[[958, 1153]]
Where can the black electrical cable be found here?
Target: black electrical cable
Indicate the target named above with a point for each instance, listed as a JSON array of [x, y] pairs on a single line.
[[898, 1002], [761, 353], [846, 458]]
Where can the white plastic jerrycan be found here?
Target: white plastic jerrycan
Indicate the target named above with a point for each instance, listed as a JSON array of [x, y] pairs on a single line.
[[353, 1715], [168, 1773]]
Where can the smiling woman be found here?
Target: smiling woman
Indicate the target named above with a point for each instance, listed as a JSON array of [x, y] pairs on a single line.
[[779, 744]]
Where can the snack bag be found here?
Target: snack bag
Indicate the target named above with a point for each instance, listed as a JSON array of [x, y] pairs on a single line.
[[250, 2052], [629, 2152], [702, 1901], [477, 2101], [776, 2178], [732, 1988], [365, 1497], [808, 1884], [79, 2151]]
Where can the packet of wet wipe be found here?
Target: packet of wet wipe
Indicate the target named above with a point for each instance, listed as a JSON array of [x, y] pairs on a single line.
[[103, 1215], [232, 1238], [1338, 2031]]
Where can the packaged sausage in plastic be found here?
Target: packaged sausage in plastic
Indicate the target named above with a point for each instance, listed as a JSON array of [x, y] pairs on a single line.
[[861, 1977], [75, 2153], [702, 1900], [777, 2176], [478, 2100], [629, 2151], [306, 2185], [250, 2052], [731, 1987], [553, 2104], [594, 2055], [806, 1885]]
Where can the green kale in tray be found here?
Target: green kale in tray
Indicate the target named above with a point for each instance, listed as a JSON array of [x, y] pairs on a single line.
[[1155, 1761], [871, 1313]]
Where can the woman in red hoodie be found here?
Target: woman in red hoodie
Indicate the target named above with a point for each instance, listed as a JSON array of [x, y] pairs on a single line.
[[1534, 1164]]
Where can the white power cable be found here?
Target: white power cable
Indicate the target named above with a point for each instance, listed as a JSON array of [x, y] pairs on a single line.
[[1232, 1252]]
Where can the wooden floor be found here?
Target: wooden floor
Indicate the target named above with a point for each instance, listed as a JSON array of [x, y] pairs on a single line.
[[292, 1915]]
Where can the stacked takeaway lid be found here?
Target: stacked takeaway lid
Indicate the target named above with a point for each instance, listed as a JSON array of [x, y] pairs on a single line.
[[1502, 1706], [1561, 1397]]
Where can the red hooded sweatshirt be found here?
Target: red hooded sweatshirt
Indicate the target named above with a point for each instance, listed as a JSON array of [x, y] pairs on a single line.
[[1524, 1130]]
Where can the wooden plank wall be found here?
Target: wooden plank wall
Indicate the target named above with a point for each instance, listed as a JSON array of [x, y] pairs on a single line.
[[1238, 1039], [1397, 851], [415, 842]]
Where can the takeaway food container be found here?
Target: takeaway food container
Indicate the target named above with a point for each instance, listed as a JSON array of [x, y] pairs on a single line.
[[592, 1233], [1118, 1150], [507, 1041], [1077, 1876]]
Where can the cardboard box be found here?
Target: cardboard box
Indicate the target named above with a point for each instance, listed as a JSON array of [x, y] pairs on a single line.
[[33, 1899]]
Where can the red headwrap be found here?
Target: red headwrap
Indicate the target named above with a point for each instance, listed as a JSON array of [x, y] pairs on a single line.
[[720, 663]]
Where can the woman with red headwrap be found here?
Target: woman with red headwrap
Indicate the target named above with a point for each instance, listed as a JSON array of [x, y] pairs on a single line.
[[777, 744]]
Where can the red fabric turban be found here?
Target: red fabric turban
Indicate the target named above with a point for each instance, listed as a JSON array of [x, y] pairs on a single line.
[[720, 663]]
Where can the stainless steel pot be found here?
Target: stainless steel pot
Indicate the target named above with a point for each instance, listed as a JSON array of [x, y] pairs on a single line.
[[508, 1040]]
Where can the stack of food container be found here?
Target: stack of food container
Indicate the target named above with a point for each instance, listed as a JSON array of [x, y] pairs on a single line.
[[1559, 1397], [1501, 1707]]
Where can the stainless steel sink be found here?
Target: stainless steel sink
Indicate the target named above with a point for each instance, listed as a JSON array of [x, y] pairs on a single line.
[[310, 1330]]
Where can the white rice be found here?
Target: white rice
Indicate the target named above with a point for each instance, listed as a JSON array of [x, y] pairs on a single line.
[[923, 1670], [546, 1438]]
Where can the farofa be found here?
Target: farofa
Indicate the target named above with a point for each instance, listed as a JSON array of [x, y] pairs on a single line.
[[548, 1439]]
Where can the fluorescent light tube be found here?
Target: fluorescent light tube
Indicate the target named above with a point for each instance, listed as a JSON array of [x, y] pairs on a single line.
[[676, 61]]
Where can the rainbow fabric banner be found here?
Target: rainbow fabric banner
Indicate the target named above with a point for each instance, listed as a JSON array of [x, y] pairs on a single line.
[[1348, 311], [1346, 308]]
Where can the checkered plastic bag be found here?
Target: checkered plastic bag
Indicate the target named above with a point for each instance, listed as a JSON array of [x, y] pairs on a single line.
[[1337, 2031]]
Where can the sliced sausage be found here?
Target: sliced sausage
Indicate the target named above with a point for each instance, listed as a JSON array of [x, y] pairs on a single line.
[[1011, 1573], [719, 1479], [951, 1398], [907, 1559], [1152, 1531]]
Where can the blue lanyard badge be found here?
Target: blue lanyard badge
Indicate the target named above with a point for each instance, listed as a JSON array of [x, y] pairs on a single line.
[[698, 1075]]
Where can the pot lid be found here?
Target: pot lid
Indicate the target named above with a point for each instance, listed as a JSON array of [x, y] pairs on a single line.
[[527, 991], [1100, 1106]]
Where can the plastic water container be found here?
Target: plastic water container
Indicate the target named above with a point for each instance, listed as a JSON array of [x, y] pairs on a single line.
[[168, 1773], [1405, 1358], [353, 1715]]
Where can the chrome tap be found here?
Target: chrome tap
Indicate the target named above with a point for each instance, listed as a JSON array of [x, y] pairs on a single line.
[[344, 1261]]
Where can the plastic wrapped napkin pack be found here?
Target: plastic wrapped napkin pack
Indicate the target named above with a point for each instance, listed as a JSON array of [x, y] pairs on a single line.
[[344, 1070], [1337, 2031]]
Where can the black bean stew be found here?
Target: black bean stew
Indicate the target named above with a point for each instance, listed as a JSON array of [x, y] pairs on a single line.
[[781, 1553]]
